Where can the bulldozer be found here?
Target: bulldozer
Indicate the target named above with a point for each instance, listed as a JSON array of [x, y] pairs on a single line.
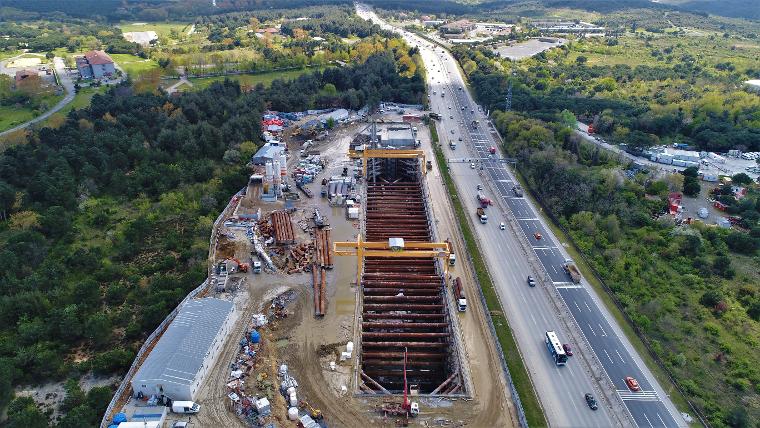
[[315, 414]]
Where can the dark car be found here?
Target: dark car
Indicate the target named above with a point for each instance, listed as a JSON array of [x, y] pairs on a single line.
[[591, 401], [568, 349], [531, 281]]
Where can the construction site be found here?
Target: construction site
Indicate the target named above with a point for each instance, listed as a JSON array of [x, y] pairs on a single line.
[[342, 306]]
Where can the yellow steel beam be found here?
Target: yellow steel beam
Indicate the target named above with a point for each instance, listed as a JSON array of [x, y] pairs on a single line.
[[412, 249]]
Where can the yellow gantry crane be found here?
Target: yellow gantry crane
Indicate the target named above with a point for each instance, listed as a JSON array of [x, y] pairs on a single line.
[[366, 154], [395, 247]]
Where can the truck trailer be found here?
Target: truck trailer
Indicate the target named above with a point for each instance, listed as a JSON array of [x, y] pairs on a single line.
[[572, 270], [481, 213], [459, 295]]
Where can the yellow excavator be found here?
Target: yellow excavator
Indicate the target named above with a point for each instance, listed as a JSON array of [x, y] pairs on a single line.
[[315, 414]]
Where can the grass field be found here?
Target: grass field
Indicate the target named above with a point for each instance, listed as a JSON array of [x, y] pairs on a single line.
[[81, 100], [254, 79], [11, 116], [163, 29], [7, 54], [134, 65]]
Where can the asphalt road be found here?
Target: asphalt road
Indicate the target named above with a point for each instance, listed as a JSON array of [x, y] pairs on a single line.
[[68, 86], [530, 310]]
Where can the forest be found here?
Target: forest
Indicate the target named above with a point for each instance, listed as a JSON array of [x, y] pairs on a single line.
[[692, 292], [72, 34], [667, 97], [104, 221]]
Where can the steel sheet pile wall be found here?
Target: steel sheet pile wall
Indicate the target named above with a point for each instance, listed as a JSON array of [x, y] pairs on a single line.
[[403, 298]]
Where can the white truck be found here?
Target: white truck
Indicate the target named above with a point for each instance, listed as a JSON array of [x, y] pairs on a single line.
[[459, 295], [185, 407]]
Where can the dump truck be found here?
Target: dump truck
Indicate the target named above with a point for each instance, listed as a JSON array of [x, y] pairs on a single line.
[[518, 191], [484, 202], [459, 295], [481, 213], [572, 270]]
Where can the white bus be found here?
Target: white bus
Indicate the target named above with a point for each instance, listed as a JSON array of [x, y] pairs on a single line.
[[555, 348]]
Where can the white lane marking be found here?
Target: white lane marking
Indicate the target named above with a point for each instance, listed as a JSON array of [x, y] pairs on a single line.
[[592, 329], [576, 305], [589, 308], [608, 356], [660, 418], [621, 357], [604, 333], [648, 421], [534, 319], [570, 286], [628, 395]]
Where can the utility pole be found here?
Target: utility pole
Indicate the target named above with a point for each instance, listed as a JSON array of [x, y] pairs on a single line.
[[509, 97]]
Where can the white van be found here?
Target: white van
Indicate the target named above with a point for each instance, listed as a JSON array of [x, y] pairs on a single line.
[[185, 407]]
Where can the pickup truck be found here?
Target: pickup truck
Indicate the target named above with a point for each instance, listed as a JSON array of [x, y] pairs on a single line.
[[481, 213], [572, 270]]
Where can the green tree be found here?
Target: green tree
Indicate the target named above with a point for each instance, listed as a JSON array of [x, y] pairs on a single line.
[[567, 118], [691, 186], [741, 179], [581, 60], [24, 413]]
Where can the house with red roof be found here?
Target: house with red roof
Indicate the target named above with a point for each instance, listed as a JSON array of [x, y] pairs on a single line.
[[95, 64]]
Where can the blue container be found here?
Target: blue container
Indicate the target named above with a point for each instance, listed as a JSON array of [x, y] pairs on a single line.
[[255, 337], [119, 418]]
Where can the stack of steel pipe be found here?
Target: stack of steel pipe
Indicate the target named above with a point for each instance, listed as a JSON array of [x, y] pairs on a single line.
[[403, 298], [283, 227], [323, 248]]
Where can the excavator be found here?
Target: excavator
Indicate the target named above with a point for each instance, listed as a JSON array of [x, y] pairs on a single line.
[[315, 414], [242, 267]]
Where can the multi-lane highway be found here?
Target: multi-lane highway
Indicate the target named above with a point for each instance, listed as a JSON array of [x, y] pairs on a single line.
[[531, 310]]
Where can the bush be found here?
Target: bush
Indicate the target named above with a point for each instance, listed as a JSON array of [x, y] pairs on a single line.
[[113, 361], [711, 298]]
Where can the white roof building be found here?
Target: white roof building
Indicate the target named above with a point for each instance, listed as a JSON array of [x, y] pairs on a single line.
[[178, 363]]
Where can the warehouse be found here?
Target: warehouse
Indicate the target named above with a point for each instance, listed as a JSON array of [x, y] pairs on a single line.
[[178, 363]]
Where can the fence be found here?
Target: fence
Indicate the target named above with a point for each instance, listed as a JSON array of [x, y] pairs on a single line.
[[614, 298]]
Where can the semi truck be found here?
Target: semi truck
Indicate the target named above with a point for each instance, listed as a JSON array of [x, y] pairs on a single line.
[[459, 295], [572, 270], [481, 213]]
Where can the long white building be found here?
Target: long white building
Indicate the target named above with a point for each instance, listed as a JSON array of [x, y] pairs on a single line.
[[186, 351]]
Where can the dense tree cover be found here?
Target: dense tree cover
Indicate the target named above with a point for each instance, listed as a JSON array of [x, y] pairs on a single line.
[[682, 286], [73, 34], [104, 221], [113, 10], [639, 105]]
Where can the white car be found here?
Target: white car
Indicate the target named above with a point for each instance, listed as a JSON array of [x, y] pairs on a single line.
[[502, 226], [472, 165], [480, 187]]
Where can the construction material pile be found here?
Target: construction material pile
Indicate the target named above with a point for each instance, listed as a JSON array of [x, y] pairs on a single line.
[[323, 249], [282, 228], [308, 169], [323, 257], [299, 258]]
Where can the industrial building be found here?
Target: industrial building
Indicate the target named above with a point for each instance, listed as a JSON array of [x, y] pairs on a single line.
[[187, 349], [268, 152], [389, 134], [568, 27]]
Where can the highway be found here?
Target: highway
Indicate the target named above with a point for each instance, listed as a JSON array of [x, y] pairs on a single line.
[[603, 355]]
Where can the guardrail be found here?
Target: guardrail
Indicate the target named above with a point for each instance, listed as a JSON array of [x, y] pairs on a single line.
[[523, 421], [614, 298]]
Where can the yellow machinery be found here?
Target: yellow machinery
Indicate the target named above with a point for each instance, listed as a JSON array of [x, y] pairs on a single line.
[[410, 249], [366, 154]]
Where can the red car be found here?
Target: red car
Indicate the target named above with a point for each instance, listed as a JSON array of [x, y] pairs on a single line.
[[568, 349], [632, 384], [537, 236]]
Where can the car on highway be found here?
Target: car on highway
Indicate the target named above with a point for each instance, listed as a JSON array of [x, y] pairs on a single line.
[[451, 116], [479, 186], [449, 107], [632, 384], [531, 281], [452, 131], [460, 138], [472, 165], [502, 226], [568, 349], [537, 236], [591, 401]]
